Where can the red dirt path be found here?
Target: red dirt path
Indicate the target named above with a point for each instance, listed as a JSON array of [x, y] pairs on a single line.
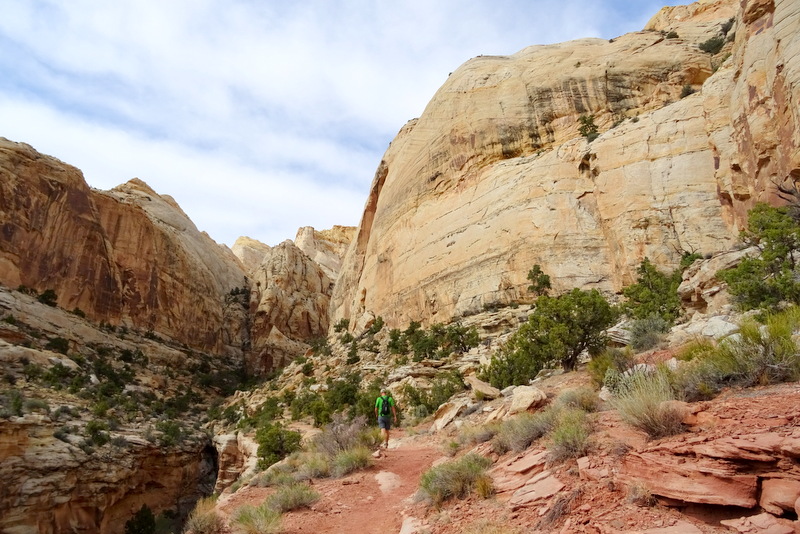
[[356, 504]]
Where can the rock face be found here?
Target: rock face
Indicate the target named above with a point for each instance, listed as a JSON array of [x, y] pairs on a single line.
[[126, 256], [290, 302], [52, 486], [494, 176], [326, 247]]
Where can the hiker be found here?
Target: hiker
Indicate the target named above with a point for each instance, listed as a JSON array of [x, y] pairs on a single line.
[[384, 406]]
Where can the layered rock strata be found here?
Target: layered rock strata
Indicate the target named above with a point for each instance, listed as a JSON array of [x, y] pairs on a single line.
[[127, 256], [495, 177]]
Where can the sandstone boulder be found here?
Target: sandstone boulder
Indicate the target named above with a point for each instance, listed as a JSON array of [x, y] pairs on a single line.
[[526, 398], [481, 388]]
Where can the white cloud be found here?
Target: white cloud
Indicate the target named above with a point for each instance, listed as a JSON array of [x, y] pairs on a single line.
[[256, 116]]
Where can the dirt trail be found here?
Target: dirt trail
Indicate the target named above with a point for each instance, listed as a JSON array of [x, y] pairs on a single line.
[[375, 500]]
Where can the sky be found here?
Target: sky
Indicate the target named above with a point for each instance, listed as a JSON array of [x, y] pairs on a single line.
[[257, 116]]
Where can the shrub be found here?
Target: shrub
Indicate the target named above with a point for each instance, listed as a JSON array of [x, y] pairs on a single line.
[[275, 443], [339, 435], [351, 460], [687, 90], [672, 35], [58, 344], [583, 398], [643, 402], [142, 522], [442, 388], [261, 519], [757, 355], [96, 432], [457, 478], [292, 497], [766, 281], [204, 519], [517, 434], [713, 45], [48, 297], [588, 128], [612, 358], [341, 325], [557, 332], [376, 326], [171, 432], [540, 282], [654, 293], [569, 438], [314, 465], [648, 332]]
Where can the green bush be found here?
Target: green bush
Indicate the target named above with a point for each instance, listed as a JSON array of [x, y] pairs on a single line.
[[341, 325], [442, 388], [648, 332], [292, 497], [58, 344], [142, 522], [540, 282], [771, 278], [275, 443], [713, 45], [612, 358], [757, 355], [48, 297], [583, 398], [654, 293], [643, 402], [557, 331], [260, 519], [588, 128], [457, 478]]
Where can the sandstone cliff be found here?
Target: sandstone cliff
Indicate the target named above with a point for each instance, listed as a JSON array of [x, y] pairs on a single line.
[[126, 256], [494, 176]]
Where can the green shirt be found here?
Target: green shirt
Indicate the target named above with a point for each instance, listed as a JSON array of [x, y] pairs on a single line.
[[379, 403]]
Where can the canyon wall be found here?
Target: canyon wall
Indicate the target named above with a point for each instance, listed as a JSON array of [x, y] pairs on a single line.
[[127, 256], [495, 175]]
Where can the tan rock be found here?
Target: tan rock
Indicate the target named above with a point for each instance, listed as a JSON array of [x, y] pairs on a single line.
[[446, 413], [526, 398], [481, 389], [326, 247], [493, 177], [250, 252], [761, 523]]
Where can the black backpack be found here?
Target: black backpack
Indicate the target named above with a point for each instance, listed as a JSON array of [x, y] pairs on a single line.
[[386, 408]]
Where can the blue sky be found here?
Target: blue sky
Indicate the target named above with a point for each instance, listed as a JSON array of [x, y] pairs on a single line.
[[257, 116]]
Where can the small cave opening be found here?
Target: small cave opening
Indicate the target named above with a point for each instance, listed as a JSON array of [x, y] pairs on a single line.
[[208, 470]]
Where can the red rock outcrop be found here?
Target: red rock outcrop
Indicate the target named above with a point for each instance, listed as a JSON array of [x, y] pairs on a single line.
[[126, 256]]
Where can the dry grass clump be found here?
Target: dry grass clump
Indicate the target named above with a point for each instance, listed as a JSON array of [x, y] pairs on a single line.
[[457, 478], [561, 506], [640, 496], [204, 519], [474, 434], [291, 497], [569, 438], [340, 435], [351, 460], [486, 526], [583, 398], [643, 402], [517, 433], [261, 519]]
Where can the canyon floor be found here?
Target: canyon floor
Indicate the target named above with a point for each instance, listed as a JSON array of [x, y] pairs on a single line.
[[591, 495]]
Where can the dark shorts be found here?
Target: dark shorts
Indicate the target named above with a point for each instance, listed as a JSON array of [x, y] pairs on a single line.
[[385, 421]]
